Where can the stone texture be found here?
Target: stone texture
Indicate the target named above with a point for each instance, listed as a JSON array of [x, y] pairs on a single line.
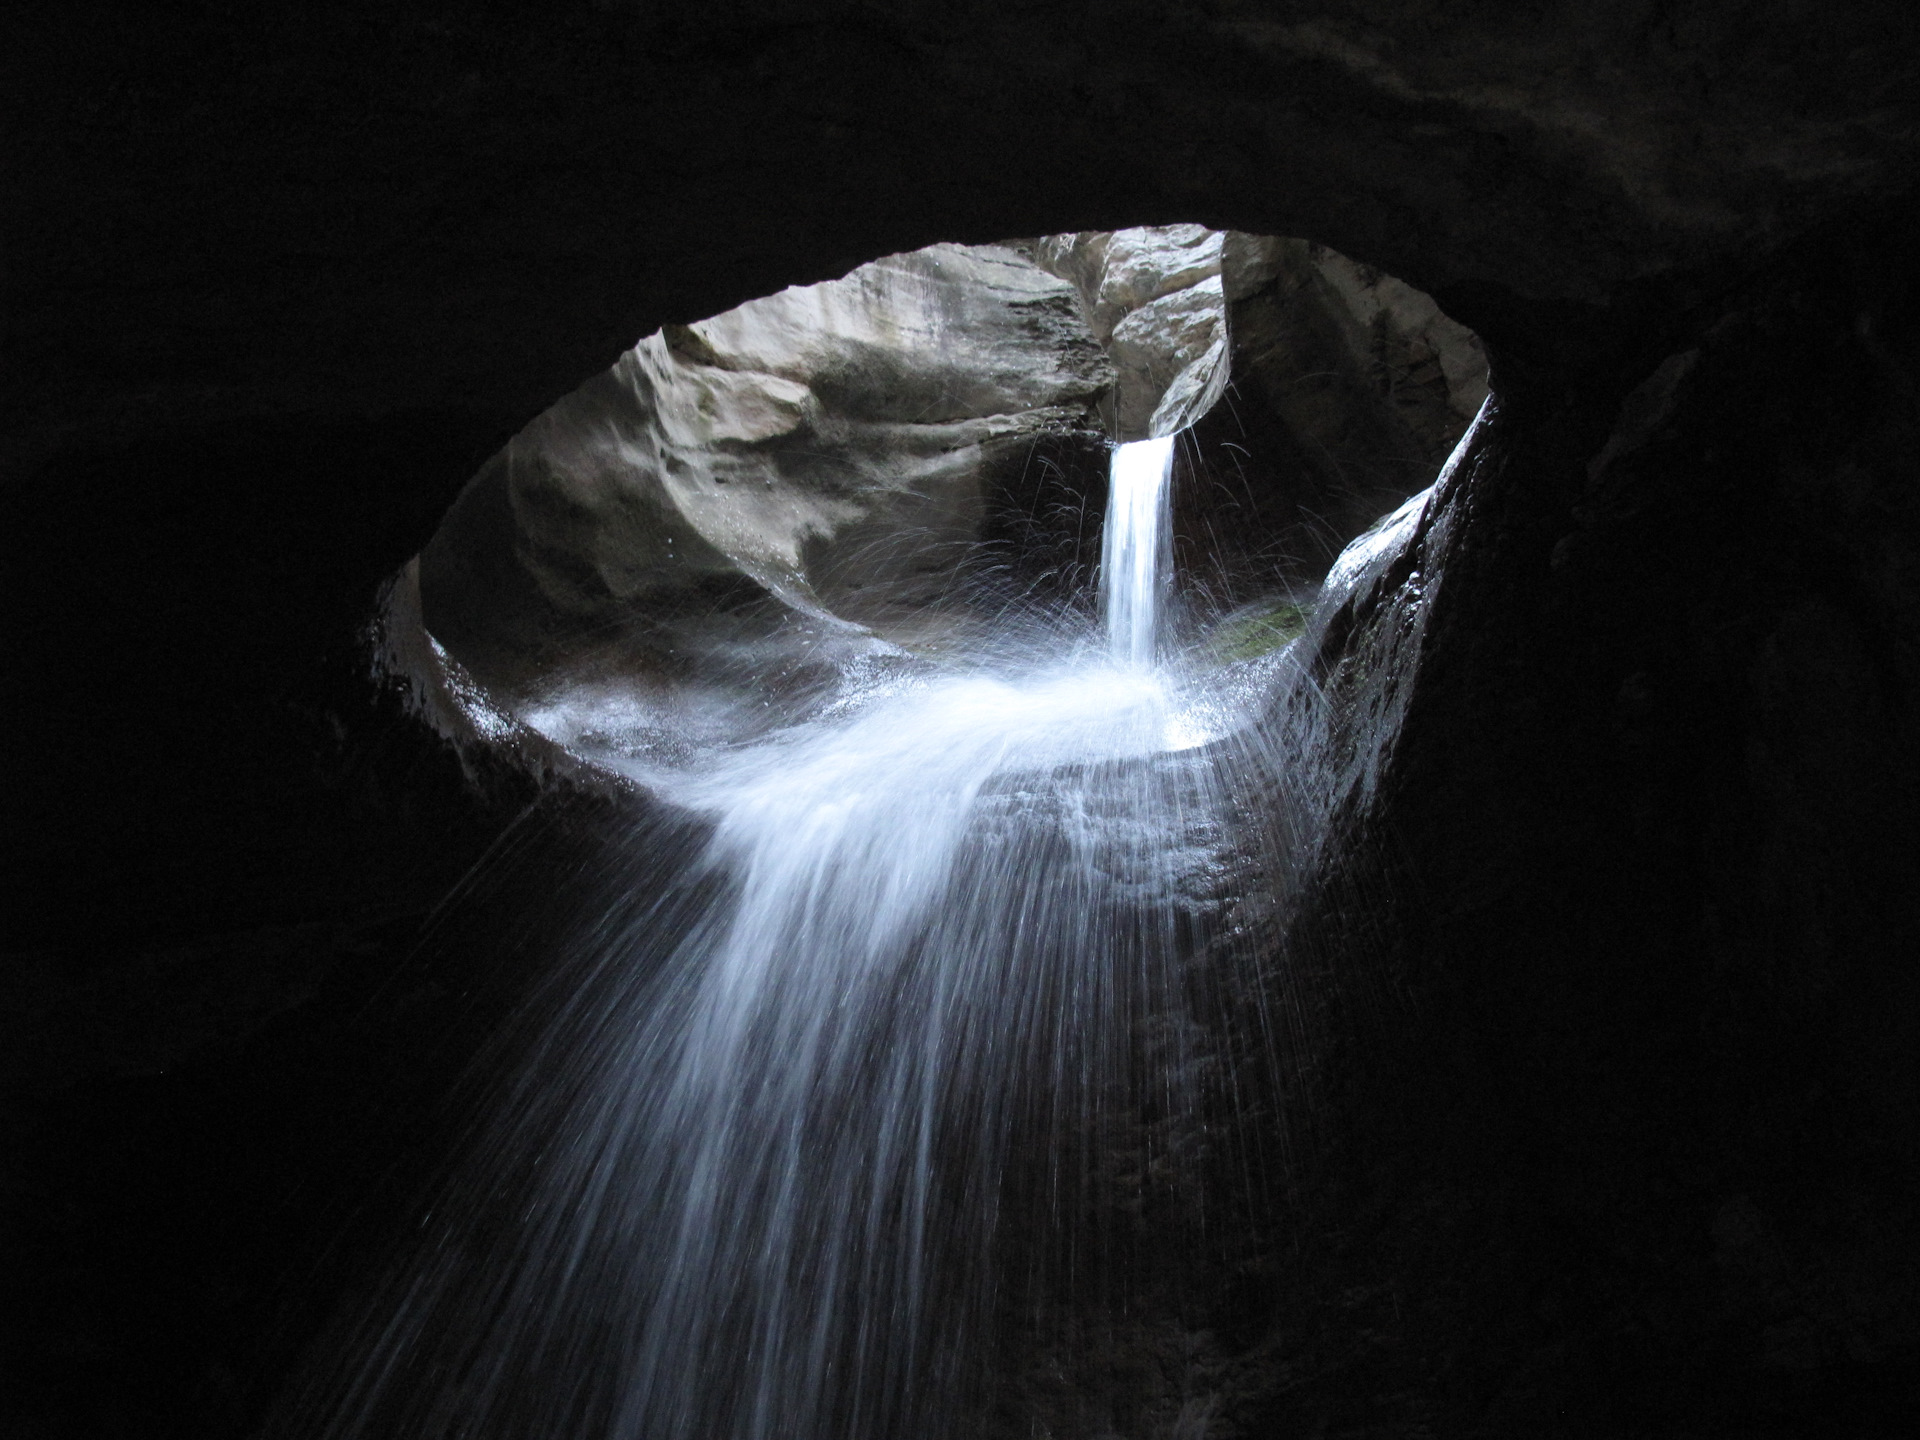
[[1349, 388], [1152, 297], [741, 505]]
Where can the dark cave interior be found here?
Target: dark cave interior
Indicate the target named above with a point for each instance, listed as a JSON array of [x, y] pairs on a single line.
[[1616, 1123]]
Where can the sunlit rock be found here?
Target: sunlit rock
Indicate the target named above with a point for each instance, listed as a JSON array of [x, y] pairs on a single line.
[[769, 492], [1153, 297]]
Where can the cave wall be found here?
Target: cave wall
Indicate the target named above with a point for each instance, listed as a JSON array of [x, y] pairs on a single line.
[[1349, 390], [297, 239], [738, 499], [353, 209], [1614, 1002], [1628, 1146]]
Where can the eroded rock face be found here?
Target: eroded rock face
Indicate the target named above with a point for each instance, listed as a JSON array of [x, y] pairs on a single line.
[[1431, 368], [1349, 390], [1153, 298], [793, 484]]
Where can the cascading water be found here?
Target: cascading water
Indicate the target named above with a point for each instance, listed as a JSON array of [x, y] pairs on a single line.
[[757, 1172], [949, 925], [749, 1181]]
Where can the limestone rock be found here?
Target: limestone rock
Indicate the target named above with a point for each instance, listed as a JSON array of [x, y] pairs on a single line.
[[770, 491], [1153, 296], [1350, 390], [1156, 345]]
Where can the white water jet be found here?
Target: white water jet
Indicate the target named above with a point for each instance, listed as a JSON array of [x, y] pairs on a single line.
[[1137, 548]]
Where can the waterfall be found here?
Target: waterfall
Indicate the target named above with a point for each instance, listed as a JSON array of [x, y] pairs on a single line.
[[749, 1181], [1136, 548], [811, 1100], [895, 1004], [882, 968]]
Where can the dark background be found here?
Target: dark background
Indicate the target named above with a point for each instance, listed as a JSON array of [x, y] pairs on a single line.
[[1630, 1146]]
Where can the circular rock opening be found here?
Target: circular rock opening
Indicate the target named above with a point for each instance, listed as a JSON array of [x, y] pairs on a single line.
[[948, 606], [749, 518]]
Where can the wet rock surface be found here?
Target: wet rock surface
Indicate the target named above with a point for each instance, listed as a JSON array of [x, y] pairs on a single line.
[[1605, 1124]]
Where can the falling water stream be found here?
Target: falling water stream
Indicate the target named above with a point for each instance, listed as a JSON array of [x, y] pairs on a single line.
[[749, 1183], [1137, 548]]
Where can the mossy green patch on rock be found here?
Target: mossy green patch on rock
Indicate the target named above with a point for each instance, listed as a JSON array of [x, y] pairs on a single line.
[[1255, 632]]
